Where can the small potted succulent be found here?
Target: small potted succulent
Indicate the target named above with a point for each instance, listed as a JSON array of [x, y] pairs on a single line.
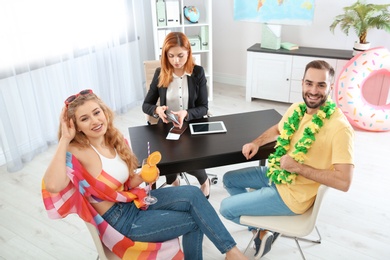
[[362, 17]]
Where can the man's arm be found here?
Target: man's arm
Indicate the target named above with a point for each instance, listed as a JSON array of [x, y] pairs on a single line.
[[250, 149], [340, 178]]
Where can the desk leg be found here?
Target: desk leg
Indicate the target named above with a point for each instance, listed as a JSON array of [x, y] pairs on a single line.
[[262, 162]]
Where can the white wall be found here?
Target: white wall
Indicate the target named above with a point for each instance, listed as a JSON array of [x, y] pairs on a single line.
[[232, 38]]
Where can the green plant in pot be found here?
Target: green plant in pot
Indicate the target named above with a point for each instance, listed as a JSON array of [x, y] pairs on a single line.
[[362, 17]]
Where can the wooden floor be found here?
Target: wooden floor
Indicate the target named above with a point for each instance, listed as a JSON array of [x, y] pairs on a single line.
[[354, 225]]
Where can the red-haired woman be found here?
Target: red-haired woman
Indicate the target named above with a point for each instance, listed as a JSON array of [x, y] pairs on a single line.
[[182, 88]]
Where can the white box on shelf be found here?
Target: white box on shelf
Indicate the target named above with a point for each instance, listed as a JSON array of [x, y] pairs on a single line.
[[195, 42], [197, 59], [270, 36], [173, 12], [161, 37], [161, 14], [204, 37], [177, 23]]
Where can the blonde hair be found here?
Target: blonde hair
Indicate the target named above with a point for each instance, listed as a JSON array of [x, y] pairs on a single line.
[[174, 39], [113, 136]]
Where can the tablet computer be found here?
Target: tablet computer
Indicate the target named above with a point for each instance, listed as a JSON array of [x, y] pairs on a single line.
[[207, 128]]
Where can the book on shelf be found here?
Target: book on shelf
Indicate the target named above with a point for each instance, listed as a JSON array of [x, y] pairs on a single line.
[[289, 46]]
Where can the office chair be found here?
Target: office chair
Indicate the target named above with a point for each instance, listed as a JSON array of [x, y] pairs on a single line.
[[296, 227], [150, 67]]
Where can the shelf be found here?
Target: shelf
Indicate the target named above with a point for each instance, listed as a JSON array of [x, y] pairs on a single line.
[[190, 29]]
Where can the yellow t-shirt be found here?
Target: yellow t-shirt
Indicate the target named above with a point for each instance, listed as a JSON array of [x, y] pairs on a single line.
[[333, 145]]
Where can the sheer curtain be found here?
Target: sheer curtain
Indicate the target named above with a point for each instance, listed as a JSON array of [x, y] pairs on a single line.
[[51, 49]]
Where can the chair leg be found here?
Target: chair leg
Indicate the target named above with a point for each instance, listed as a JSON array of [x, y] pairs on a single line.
[[163, 185], [299, 247], [318, 241], [250, 242], [184, 176]]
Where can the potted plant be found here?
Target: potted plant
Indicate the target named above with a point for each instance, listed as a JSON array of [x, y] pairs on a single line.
[[361, 17]]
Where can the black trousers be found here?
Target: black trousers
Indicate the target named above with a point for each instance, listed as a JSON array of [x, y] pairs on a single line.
[[201, 175]]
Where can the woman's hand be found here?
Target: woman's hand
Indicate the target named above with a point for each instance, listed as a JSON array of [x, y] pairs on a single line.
[[160, 111], [68, 130], [158, 175], [55, 176], [181, 116]]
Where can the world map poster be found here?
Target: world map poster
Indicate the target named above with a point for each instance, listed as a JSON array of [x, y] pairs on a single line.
[[288, 12]]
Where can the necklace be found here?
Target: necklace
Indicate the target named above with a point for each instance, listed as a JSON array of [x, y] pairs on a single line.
[[275, 173]]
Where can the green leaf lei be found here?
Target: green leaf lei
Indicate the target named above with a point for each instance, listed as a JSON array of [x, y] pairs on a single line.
[[275, 173]]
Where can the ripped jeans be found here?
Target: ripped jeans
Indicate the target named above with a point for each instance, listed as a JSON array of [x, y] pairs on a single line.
[[180, 211]]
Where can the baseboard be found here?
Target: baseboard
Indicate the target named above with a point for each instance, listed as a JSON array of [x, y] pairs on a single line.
[[229, 79]]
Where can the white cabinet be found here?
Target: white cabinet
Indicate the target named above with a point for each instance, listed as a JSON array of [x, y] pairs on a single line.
[[168, 16], [268, 76], [277, 75]]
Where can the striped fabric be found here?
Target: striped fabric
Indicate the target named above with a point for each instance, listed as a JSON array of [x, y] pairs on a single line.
[[73, 199]]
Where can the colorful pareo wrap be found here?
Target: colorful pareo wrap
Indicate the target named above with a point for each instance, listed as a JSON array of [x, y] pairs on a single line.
[[275, 173], [73, 199]]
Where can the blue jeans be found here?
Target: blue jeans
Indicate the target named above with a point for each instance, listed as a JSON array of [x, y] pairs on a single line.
[[263, 201], [180, 211]]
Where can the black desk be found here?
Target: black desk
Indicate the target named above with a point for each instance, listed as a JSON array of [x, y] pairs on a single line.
[[193, 152]]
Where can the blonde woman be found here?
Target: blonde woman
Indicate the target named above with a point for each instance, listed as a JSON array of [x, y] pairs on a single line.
[[93, 175]]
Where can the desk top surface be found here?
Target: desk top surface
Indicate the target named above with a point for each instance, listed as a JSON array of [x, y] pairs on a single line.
[[307, 51], [192, 152]]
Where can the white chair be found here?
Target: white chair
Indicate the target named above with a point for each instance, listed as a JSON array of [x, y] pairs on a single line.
[[106, 254], [103, 252], [296, 227]]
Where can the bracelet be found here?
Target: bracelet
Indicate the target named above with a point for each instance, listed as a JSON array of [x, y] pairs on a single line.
[[155, 115]]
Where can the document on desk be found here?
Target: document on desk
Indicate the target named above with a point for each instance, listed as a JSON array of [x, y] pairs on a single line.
[[175, 133], [172, 136]]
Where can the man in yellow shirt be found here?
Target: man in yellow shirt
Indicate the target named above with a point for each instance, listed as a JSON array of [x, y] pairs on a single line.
[[314, 146]]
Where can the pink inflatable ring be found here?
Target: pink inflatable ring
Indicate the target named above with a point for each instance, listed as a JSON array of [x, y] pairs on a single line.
[[349, 85]]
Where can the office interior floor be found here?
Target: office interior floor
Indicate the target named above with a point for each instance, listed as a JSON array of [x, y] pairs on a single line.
[[354, 225]]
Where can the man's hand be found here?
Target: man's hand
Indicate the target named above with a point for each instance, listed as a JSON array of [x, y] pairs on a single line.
[[289, 164], [249, 150]]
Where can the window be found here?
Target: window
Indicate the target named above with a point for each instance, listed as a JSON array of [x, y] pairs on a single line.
[[45, 30]]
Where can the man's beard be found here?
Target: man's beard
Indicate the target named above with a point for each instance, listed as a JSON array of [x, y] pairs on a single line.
[[316, 105]]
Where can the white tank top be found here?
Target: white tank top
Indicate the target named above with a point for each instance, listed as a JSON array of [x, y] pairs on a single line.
[[115, 167]]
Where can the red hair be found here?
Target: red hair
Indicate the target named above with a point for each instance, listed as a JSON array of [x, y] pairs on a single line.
[[174, 39]]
